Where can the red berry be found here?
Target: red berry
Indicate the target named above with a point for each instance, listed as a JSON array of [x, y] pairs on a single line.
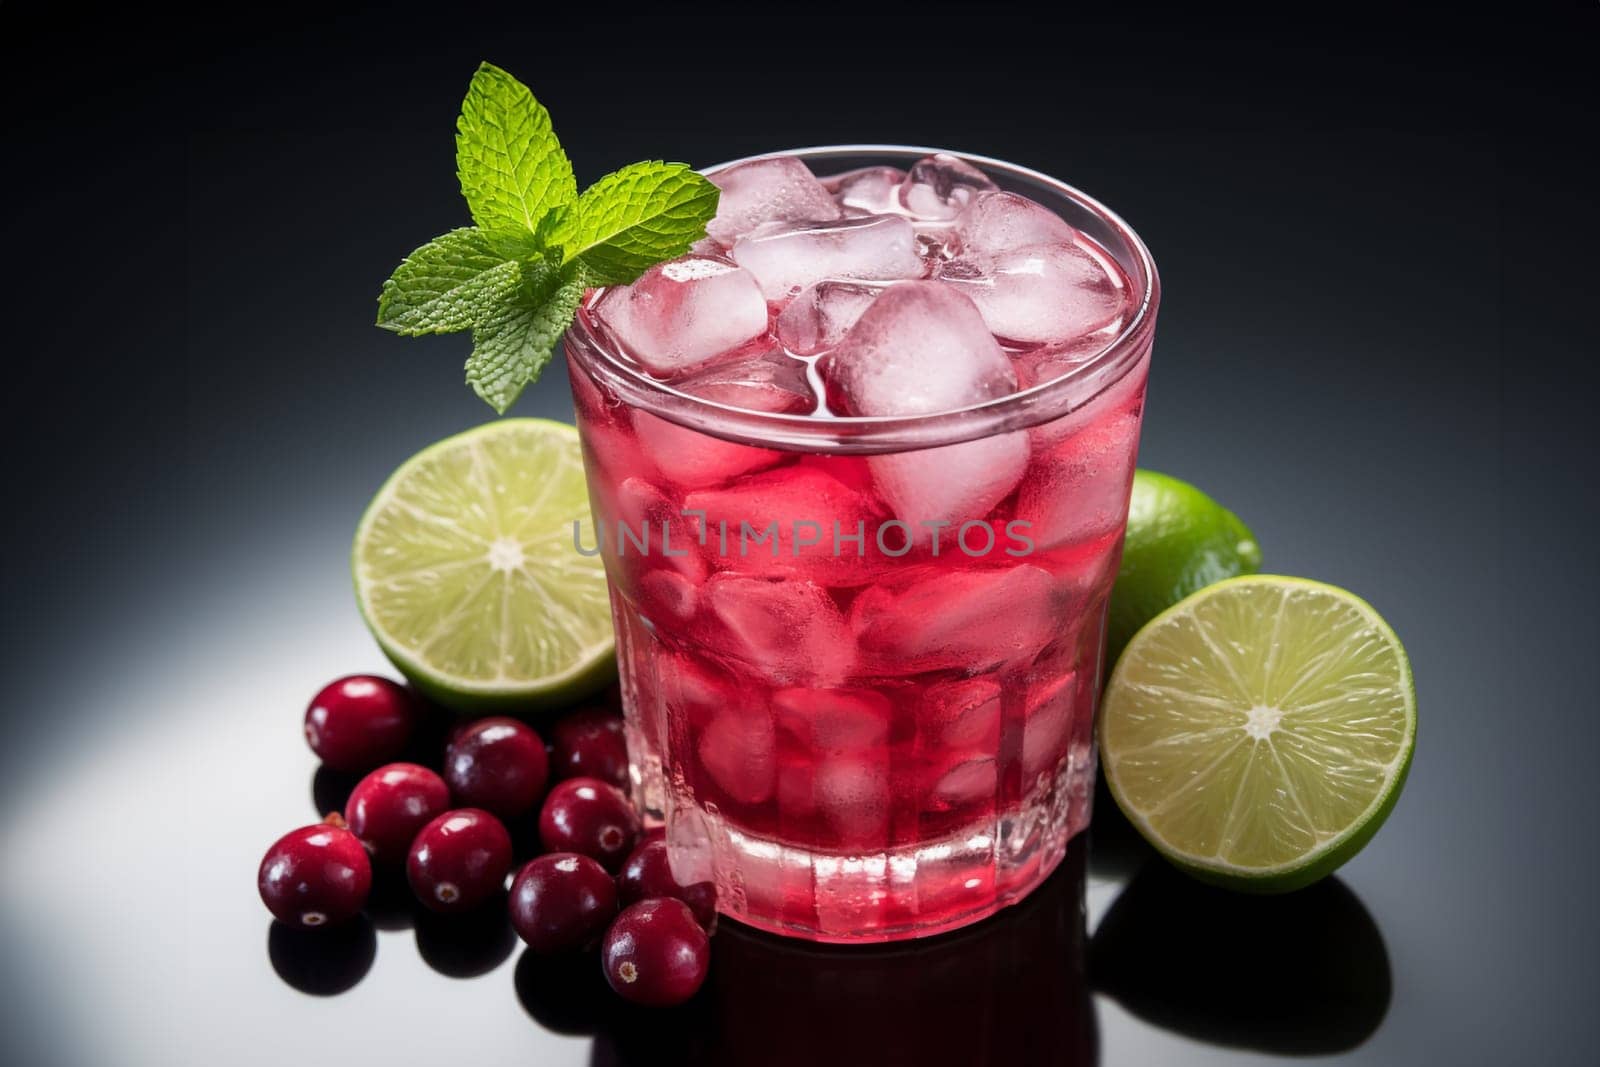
[[317, 875], [389, 806], [356, 723], [590, 744], [590, 817], [647, 874], [498, 765], [562, 902], [655, 953], [459, 860]]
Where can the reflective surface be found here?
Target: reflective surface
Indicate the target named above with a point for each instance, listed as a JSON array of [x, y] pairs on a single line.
[[1385, 366]]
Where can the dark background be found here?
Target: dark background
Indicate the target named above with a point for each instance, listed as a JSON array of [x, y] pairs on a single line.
[[1376, 343]]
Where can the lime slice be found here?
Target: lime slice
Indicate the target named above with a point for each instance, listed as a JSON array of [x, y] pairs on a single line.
[[1179, 540], [467, 575], [1258, 732]]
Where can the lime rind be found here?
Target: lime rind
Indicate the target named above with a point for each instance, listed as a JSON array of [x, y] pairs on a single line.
[[1331, 850], [1179, 540], [456, 499]]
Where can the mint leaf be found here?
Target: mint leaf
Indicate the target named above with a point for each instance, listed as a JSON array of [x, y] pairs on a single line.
[[632, 219], [511, 347], [511, 167], [517, 277], [446, 285]]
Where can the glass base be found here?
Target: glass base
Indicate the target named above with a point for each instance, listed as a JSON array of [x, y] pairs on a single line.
[[915, 890]]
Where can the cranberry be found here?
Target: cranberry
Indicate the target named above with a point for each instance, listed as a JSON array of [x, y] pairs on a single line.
[[655, 953], [590, 744], [497, 764], [356, 723], [389, 806], [588, 816], [459, 860], [317, 875], [562, 902], [647, 874]]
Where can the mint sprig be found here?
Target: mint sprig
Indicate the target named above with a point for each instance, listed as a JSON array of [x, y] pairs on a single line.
[[515, 278]]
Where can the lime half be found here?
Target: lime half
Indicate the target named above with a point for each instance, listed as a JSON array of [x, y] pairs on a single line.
[[1258, 732], [466, 571]]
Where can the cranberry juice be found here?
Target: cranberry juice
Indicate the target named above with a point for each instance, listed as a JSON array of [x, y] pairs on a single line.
[[860, 677]]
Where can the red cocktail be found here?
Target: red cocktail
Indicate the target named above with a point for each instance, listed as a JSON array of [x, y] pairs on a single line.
[[859, 467]]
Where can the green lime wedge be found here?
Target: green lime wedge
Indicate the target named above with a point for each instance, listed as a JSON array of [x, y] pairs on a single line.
[[467, 575], [1179, 540], [1258, 732]]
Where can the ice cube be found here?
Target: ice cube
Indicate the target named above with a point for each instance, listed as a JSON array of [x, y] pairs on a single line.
[[833, 720], [920, 348], [1004, 222], [738, 752], [684, 312], [768, 382], [1079, 487], [693, 458], [611, 451], [667, 594], [962, 714], [1038, 294], [660, 576], [797, 795], [803, 502], [1046, 363], [1099, 400], [785, 257], [1047, 720], [764, 380], [853, 795], [934, 619], [940, 186], [692, 690], [790, 631], [868, 191], [590, 400], [767, 190], [819, 317], [936, 491], [964, 782]]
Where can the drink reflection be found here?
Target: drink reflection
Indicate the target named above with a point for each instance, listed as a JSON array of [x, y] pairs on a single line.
[[323, 963], [1010, 989]]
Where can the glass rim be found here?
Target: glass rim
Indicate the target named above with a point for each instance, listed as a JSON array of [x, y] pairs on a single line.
[[1039, 403]]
